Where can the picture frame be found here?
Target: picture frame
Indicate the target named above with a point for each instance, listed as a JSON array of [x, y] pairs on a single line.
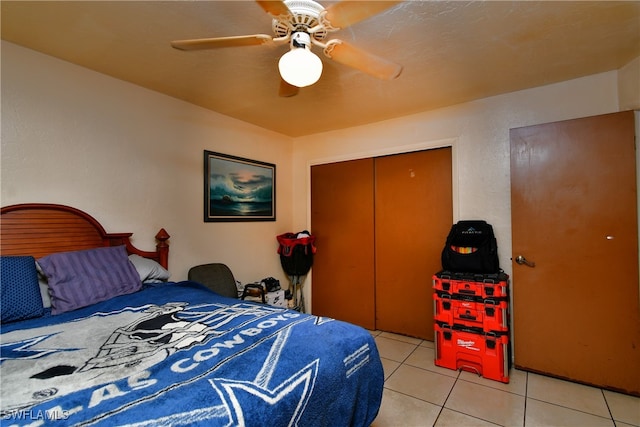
[[238, 189]]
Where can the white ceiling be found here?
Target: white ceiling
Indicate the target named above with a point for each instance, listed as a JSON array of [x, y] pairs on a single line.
[[452, 52]]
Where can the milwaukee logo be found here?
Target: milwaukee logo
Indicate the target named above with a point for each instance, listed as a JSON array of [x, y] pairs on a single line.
[[468, 344]]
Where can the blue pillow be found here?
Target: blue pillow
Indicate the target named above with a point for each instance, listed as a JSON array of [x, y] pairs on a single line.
[[82, 278], [20, 292]]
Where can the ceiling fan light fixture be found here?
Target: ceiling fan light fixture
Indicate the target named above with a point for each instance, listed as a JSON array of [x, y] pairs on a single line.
[[300, 67]]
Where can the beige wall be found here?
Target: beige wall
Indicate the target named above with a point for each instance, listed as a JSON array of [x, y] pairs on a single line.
[[133, 159], [629, 86]]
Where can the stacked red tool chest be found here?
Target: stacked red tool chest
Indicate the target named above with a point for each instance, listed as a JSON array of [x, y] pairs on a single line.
[[471, 314]]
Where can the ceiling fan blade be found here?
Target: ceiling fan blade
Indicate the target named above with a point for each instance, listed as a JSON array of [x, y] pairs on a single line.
[[287, 90], [274, 7], [359, 59], [218, 42], [346, 13]]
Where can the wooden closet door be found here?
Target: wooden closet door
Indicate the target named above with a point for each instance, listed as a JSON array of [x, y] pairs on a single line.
[[574, 213], [413, 214], [342, 221]]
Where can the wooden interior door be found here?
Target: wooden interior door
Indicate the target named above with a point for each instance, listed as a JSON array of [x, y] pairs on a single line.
[[413, 214], [342, 221], [574, 213]]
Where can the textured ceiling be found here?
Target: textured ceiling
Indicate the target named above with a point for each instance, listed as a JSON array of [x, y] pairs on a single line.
[[452, 52]]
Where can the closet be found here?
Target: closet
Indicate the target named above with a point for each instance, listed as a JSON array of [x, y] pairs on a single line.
[[380, 224]]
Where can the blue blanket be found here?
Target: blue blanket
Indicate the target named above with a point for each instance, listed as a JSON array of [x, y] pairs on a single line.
[[178, 354]]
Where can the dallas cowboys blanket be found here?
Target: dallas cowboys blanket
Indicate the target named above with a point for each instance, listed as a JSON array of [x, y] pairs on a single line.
[[179, 354]]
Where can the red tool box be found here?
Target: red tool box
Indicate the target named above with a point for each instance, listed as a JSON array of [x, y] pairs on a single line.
[[471, 313], [486, 354], [488, 314], [477, 285]]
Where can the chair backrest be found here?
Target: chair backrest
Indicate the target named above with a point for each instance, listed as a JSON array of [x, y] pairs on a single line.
[[215, 276]]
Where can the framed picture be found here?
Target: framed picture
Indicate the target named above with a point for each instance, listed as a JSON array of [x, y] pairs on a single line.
[[237, 189]]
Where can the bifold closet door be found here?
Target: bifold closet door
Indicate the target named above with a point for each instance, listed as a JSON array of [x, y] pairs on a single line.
[[342, 221], [413, 214]]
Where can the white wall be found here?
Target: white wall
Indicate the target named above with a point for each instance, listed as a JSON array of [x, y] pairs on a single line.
[[480, 134], [133, 159]]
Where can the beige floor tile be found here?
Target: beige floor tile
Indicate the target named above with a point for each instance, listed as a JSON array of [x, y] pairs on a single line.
[[422, 357], [624, 408], [424, 385], [426, 343], [570, 395], [517, 381], [398, 410], [496, 406], [389, 366], [449, 418], [403, 338], [546, 414], [393, 349]]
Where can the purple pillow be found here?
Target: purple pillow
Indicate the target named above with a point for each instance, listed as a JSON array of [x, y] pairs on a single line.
[[81, 278]]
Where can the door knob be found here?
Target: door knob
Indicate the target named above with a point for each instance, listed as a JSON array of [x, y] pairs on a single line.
[[523, 261]]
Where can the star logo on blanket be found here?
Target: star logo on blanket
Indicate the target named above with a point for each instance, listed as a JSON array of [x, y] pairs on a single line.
[[24, 349], [285, 402]]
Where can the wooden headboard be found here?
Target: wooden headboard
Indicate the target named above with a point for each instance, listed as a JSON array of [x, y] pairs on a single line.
[[40, 229]]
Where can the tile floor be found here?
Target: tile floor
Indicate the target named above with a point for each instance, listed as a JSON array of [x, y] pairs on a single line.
[[418, 393]]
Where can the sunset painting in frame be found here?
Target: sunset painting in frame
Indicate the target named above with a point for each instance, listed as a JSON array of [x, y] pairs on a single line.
[[238, 189]]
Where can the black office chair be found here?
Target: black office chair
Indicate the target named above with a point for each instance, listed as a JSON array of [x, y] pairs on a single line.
[[217, 277]]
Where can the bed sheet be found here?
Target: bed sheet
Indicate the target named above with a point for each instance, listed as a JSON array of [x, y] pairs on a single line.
[[178, 354]]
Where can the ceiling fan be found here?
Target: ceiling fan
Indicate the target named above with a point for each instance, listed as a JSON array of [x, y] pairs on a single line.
[[304, 23]]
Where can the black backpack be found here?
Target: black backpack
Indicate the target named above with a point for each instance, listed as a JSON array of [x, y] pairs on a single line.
[[471, 247], [296, 252]]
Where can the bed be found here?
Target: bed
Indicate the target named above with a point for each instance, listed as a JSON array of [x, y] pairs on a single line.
[[151, 351]]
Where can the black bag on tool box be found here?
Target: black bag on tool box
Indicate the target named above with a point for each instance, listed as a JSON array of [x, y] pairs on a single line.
[[471, 247]]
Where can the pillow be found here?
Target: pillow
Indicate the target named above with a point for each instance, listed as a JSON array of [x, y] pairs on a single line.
[[82, 278], [149, 270], [20, 294], [44, 287]]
